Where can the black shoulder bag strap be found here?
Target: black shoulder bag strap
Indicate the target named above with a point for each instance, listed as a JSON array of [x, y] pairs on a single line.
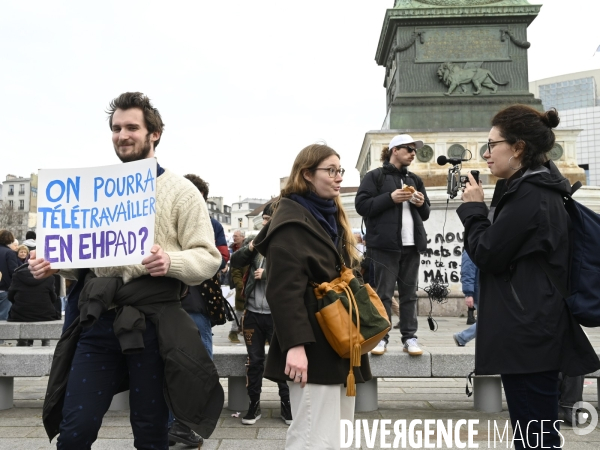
[[564, 291]]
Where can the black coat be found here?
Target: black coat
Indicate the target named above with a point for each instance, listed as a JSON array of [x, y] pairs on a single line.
[[524, 325], [32, 300], [191, 382], [291, 267], [383, 217], [8, 264]]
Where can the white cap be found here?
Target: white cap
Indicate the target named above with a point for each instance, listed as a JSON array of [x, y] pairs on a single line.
[[403, 139]]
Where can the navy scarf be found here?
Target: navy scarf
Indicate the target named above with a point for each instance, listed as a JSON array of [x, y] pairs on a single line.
[[159, 170], [323, 210]]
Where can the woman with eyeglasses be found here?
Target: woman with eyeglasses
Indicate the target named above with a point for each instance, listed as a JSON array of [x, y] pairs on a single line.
[[306, 241], [525, 331]]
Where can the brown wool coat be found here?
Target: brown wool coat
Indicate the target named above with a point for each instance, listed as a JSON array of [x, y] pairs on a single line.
[[299, 251]]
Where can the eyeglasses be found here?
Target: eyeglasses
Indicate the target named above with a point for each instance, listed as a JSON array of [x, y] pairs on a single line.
[[408, 148], [492, 144], [332, 171]]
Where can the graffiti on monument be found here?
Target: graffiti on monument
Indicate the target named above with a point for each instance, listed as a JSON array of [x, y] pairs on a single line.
[[442, 259]]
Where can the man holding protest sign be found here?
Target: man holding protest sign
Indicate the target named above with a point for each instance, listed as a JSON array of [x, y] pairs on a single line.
[[135, 333]]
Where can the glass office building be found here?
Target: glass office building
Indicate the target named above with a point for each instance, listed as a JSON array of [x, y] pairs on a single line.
[[576, 98]]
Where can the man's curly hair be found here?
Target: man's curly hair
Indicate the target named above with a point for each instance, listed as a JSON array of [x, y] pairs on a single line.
[[199, 183]]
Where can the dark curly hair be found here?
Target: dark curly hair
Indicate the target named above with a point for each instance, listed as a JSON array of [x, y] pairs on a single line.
[[530, 126], [129, 100], [6, 237], [199, 183], [386, 154]]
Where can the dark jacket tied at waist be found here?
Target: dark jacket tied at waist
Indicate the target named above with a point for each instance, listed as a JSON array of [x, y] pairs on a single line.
[[192, 389]]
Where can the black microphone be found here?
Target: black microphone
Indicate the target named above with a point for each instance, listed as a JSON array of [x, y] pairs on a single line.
[[442, 160]]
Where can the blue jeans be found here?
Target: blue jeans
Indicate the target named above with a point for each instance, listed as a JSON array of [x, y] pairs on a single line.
[[467, 335], [203, 324], [531, 398], [5, 305], [97, 370]]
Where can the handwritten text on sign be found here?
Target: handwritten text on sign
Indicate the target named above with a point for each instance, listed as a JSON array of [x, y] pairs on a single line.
[[97, 216]]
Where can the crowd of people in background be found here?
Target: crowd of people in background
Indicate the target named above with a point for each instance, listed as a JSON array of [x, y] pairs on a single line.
[[22, 297], [274, 307]]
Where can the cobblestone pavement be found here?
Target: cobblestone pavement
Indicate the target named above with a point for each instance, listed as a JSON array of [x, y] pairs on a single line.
[[408, 398]]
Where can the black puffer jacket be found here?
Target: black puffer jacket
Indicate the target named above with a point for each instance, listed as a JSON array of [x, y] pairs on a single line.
[[8, 264], [32, 300], [524, 325], [383, 217]]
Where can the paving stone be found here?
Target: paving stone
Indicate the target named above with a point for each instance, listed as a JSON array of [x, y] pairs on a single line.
[[264, 422], [115, 433], [272, 433], [38, 432], [27, 444], [449, 405], [387, 403], [13, 432], [20, 422], [232, 444], [247, 432]]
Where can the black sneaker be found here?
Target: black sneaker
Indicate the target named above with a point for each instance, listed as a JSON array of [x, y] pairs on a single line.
[[471, 316], [182, 433], [286, 412], [253, 413]]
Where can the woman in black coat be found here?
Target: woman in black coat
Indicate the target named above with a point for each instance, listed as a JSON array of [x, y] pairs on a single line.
[[525, 331], [8, 263], [32, 300], [304, 243]]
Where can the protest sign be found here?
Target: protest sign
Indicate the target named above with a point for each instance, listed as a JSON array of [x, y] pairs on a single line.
[[96, 216]]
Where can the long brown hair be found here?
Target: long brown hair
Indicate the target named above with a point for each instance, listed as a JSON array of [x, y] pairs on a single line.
[[309, 159]]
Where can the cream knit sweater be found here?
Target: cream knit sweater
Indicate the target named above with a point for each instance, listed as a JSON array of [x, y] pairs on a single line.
[[183, 229]]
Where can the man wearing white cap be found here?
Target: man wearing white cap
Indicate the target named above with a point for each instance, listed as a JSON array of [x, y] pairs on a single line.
[[394, 205]]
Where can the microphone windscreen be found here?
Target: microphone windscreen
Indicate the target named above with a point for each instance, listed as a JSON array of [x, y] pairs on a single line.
[[442, 160]]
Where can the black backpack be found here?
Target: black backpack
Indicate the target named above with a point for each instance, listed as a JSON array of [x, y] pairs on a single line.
[[583, 291]]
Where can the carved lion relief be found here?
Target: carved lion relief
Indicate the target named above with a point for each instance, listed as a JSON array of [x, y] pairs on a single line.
[[453, 76]]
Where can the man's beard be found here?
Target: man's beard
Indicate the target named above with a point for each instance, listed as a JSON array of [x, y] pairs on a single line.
[[143, 154]]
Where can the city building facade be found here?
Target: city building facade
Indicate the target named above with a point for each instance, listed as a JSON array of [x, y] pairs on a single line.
[[18, 211], [577, 100], [217, 209], [240, 211]]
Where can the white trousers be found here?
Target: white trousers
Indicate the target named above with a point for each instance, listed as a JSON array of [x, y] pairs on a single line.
[[316, 412]]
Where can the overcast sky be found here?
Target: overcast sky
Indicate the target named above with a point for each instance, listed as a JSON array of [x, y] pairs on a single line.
[[242, 85]]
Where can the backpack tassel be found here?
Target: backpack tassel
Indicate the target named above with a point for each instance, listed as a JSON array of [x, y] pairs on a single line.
[[350, 381], [356, 351], [350, 384]]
